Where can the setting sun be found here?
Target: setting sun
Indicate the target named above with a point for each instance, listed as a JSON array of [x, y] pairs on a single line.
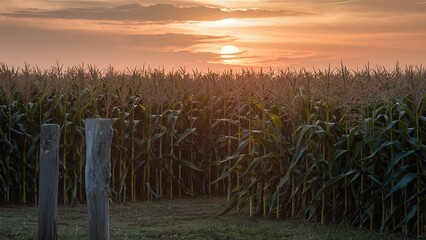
[[229, 51]]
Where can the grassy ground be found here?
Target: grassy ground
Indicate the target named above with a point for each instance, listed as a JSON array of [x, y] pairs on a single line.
[[176, 219]]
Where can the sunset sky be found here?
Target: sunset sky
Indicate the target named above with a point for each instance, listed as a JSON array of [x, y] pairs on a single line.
[[213, 34]]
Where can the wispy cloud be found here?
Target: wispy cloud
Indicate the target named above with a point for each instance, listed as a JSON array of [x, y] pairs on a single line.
[[379, 6], [157, 13], [173, 41], [340, 2]]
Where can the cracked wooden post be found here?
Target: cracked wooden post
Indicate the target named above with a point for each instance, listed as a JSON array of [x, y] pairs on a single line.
[[48, 181], [97, 175]]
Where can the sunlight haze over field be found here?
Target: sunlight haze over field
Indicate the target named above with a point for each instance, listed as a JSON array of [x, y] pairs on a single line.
[[194, 34]]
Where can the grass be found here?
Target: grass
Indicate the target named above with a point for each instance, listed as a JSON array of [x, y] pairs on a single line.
[[174, 219]]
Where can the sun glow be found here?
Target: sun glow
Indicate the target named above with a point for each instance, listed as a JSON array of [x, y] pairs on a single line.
[[229, 54], [229, 51], [228, 23]]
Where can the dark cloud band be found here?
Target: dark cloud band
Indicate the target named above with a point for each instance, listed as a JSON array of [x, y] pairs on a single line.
[[158, 12]]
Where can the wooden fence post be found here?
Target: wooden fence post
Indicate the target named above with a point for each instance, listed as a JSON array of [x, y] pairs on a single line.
[[48, 181], [97, 175]]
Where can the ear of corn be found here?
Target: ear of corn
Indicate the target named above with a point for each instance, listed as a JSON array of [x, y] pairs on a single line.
[[333, 146]]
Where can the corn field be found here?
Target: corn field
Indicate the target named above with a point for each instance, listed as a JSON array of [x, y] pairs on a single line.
[[335, 146]]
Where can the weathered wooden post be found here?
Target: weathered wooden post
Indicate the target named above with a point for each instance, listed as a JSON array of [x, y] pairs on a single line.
[[48, 181], [97, 174]]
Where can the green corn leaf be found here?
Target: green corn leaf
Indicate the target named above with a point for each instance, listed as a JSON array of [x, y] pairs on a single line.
[[190, 164], [184, 135], [398, 157], [338, 153], [294, 161], [402, 183], [411, 213], [261, 160], [276, 121], [233, 201]]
